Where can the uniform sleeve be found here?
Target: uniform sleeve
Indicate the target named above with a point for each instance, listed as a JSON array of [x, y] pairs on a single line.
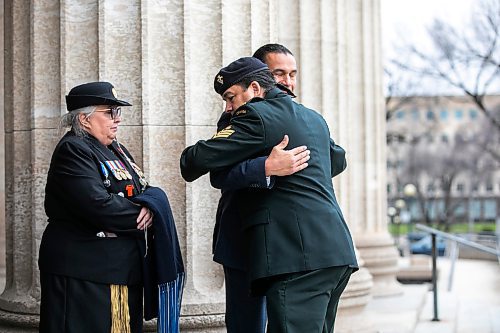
[[337, 158], [75, 185], [249, 173], [244, 138]]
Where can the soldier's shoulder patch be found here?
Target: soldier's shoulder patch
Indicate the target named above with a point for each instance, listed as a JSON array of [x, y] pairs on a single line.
[[240, 112], [224, 133]]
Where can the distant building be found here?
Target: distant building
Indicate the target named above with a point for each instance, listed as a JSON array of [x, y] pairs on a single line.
[[444, 145]]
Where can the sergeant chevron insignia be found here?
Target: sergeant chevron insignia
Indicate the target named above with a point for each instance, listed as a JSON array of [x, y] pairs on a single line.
[[225, 133]]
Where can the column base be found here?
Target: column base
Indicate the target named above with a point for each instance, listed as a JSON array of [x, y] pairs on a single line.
[[16, 302], [11, 322], [381, 259], [357, 293]]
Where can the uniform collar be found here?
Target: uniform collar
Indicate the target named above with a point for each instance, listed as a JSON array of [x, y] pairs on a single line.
[[275, 92]]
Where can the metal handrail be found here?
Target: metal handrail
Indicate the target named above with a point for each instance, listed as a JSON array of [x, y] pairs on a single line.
[[434, 233], [458, 239]]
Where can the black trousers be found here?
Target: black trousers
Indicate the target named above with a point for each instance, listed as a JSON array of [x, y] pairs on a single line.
[[75, 306], [305, 301], [244, 313]]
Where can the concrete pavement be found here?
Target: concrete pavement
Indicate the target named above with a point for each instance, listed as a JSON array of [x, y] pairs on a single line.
[[471, 306], [473, 303]]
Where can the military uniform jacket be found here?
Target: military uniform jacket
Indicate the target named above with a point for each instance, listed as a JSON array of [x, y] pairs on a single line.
[[83, 203], [228, 248], [298, 225]]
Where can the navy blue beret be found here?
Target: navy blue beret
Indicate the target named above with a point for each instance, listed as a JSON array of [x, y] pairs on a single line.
[[93, 93], [235, 71]]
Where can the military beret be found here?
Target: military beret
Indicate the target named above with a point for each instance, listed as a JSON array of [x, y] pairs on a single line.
[[93, 93], [236, 71]]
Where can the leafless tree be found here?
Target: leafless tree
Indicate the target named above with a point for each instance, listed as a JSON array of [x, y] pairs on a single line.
[[488, 138], [400, 90], [467, 60], [435, 171]]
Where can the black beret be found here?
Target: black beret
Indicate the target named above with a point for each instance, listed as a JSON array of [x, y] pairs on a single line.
[[235, 71], [93, 93]]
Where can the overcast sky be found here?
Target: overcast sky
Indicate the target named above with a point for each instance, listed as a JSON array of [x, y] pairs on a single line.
[[408, 19]]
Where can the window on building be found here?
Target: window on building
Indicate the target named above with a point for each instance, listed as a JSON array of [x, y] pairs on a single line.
[[460, 209], [430, 187], [389, 188], [430, 115], [489, 187], [430, 138], [490, 209], [472, 114], [415, 114], [460, 187], [444, 138], [435, 208], [459, 113], [400, 114], [475, 187], [443, 115], [400, 188], [415, 211], [475, 209]]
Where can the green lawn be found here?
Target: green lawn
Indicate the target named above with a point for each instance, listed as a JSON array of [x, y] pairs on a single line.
[[458, 228]]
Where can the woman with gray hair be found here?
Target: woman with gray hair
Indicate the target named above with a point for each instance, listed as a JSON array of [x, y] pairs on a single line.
[[92, 248]]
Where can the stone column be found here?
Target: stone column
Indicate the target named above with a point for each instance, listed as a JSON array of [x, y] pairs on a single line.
[[324, 73], [204, 292], [29, 106], [365, 202]]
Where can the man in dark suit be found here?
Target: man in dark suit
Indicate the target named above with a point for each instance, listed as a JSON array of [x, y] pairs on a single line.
[[299, 249]]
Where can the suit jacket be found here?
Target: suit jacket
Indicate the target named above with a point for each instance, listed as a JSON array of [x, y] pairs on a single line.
[[227, 243], [81, 209], [298, 226]]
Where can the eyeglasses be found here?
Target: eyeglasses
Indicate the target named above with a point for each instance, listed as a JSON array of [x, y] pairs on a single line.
[[113, 112]]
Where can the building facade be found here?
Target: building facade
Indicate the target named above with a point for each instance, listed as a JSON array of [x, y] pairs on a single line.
[[448, 148]]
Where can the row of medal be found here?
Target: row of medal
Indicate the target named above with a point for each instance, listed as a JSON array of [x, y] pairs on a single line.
[[118, 169], [121, 173]]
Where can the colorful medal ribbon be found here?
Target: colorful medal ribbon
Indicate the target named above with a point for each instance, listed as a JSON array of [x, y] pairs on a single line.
[[105, 173]]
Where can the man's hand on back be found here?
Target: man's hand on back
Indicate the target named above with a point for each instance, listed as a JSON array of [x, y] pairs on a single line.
[[283, 162]]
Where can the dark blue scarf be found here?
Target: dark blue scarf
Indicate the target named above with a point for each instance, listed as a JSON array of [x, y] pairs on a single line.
[[163, 269]]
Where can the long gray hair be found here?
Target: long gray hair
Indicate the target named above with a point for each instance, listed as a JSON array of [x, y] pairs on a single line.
[[72, 120]]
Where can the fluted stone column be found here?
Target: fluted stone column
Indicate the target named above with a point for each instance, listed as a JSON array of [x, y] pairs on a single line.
[[27, 115], [323, 76], [365, 203], [162, 55]]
